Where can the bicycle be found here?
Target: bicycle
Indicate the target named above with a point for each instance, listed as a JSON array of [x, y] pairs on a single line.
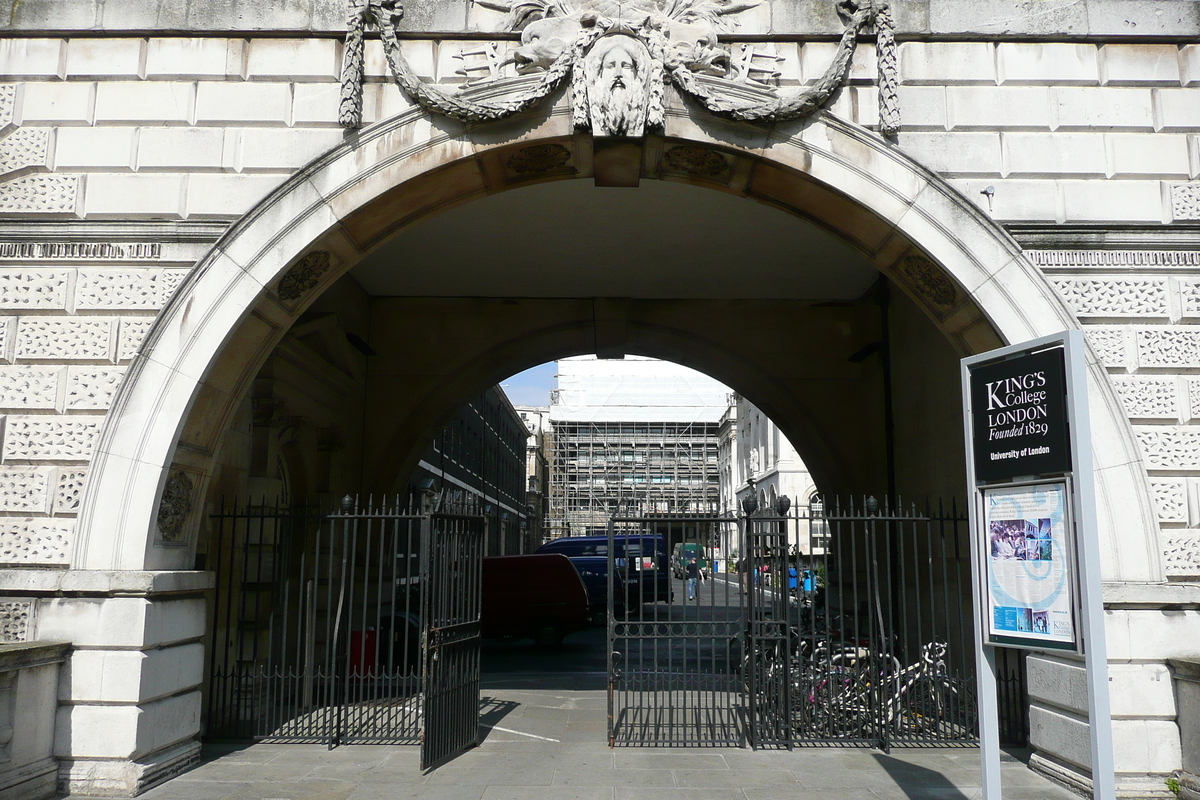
[[929, 696], [925, 698], [838, 699]]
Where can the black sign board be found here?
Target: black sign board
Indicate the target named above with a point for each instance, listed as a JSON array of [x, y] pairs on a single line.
[[1019, 410]]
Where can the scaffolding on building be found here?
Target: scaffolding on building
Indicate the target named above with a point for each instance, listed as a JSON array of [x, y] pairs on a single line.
[[632, 468], [634, 437]]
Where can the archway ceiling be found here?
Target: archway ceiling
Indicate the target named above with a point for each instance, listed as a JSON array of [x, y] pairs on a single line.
[[661, 240]]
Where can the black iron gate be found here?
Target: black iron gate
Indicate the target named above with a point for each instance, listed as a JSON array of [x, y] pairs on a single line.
[[453, 565], [769, 631], [676, 627], [834, 625], [345, 626]]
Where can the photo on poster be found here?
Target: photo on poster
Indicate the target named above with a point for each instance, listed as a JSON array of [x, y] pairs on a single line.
[[1029, 570]]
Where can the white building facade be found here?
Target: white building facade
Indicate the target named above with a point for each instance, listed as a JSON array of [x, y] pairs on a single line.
[[537, 471], [768, 468]]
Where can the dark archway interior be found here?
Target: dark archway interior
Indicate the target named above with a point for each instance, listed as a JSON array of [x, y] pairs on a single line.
[[776, 307]]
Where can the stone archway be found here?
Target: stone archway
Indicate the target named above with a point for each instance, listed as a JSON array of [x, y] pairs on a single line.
[[963, 270]]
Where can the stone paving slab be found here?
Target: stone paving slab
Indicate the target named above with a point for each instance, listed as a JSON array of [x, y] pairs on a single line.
[[550, 744]]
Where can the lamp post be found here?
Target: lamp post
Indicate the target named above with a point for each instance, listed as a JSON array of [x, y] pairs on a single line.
[[750, 501]]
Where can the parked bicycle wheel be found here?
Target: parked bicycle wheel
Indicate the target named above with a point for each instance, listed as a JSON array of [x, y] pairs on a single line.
[[924, 706], [834, 704], [961, 720]]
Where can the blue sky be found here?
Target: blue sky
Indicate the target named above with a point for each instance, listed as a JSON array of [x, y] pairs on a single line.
[[531, 387]]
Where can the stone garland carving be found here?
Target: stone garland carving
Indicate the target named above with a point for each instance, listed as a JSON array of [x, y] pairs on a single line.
[[92, 388], [698, 161], [68, 492], [23, 490], [1149, 398], [34, 288], [40, 194], [1102, 297], [45, 541], [1170, 499], [16, 620], [1114, 258], [23, 149], [304, 275], [1109, 344], [1182, 555], [1168, 347], [73, 338], [618, 55], [887, 66], [29, 387], [175, 506], [538, 158], [1185, 201], [1170, 448], [50, 438], [129, 338], [141, 289]]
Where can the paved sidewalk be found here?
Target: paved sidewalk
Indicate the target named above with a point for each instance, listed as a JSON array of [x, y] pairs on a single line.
[[550, 743]]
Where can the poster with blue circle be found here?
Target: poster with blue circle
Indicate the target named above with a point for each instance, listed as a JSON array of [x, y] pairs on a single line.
[[1030, 566]]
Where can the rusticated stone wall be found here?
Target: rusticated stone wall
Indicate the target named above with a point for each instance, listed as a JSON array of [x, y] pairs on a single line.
[[1138, 308], [122, 158]]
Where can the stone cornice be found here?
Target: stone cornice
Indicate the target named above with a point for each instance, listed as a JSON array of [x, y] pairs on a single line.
[[1152, 595], [1051, 20], [101, 583], [17, 230], [24, 655], [1101, 237]]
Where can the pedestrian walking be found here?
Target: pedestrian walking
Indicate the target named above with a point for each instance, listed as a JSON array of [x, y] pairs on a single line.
[[693, 572]]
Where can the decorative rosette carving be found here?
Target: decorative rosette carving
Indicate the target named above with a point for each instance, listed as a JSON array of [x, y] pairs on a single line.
[[304, 275], [175, 507], [538, 158]]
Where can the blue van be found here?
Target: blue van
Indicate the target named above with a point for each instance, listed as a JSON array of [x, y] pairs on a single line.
[[641, 562]]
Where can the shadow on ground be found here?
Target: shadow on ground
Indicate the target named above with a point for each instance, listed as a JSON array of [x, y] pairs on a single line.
[[491, 711], [917, 782]]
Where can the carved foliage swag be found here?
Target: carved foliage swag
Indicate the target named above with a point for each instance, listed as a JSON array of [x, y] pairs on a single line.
[[690, 67]]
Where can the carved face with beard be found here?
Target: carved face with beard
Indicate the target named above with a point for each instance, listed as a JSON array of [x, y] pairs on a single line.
[[617, 86]]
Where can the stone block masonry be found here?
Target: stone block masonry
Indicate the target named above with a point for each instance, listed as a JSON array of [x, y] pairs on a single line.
[[1136, 306], [102, 115], [72, 315], [157, 129], [115, 145]]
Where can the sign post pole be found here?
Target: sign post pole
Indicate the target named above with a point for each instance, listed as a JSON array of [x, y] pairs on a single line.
[[1091, 602], [1035, 555]]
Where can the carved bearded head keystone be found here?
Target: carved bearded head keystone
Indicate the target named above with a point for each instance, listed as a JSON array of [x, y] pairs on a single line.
[[617, 69]]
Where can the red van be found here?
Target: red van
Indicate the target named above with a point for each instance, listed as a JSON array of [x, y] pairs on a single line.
[[539, 597]]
